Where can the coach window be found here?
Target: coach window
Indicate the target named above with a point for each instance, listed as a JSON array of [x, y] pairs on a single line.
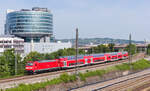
[[119, 55]]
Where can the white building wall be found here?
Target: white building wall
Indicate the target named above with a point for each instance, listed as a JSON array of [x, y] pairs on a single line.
[[45, 47], [8, 42]]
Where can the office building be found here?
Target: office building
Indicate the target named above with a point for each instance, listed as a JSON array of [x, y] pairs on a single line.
[[9, 42], [35, 24]]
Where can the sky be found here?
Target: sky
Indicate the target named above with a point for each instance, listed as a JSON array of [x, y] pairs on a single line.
[[94, 18]]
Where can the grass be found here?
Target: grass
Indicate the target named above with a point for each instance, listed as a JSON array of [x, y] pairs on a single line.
[[139, 65], [99, 73], [31, 87]]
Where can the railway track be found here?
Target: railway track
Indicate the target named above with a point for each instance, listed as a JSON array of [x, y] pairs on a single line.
[[51, 75], [123, 83], [128, 84]]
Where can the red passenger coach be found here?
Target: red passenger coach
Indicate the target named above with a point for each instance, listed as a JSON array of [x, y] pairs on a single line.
[[98, 58], [108, 57], [70, 61], [88, 59], [114, 56]]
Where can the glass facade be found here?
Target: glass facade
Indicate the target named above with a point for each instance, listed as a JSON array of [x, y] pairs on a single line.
[[29, 21], [26, 22]]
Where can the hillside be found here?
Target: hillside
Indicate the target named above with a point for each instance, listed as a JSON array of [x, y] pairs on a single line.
[[85, 41]]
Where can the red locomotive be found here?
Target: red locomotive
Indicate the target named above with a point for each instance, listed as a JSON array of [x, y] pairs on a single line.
[[70, 61]]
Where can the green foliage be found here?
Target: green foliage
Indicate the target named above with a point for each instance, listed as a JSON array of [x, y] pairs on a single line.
[[111, 47], [111, 69], [102, 49], [83, 76], [67, 78], [148, 49], [31, 87], [122, 67], [4, 67], [7, 63], [133, 49], [141, 64], [33, 56], [138, 65]]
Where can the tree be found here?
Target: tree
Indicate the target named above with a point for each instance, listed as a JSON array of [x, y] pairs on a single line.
[[7, 62], [111, 47], [4, 68], [33, 56], [9, 56], [71, 51], [81, 51], [133, 49], [148, 49]]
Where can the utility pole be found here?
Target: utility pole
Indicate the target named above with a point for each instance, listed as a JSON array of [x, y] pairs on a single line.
[[145, 48], [16, 63], [130, 55], [76, 66], [32, 45]]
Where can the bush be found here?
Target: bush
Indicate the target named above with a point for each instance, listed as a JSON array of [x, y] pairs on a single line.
[[123, 67], [83, 76], [141, 64], [67, 78]]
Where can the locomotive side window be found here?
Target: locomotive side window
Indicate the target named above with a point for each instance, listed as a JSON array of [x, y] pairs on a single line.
[[29, 64]]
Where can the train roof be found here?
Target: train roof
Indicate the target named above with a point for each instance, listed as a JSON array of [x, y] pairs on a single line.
[[73, 57], [82, 56], [94, 55]]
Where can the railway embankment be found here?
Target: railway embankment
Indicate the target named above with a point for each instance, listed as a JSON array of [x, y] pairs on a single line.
[[72, 82]]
